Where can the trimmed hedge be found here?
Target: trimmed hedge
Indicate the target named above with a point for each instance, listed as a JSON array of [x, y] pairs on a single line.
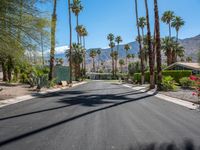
[[175, 74]]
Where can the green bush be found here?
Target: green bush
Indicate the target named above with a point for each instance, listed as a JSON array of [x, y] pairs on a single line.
[[186, 82], [168, 84], [177, 74]]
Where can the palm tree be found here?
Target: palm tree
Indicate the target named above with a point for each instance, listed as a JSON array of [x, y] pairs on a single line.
[[121, 63], [111, 38], [53, 31], [127, 47], [99, 53], [167, 18], [142, 23], [177, 23], [70, 41], [189, 59], [118, 40], [84, 34], [93, 54], [129, 56], [167, 46], [158, 46], [76, 9], [140, 45], [79, 30], [115, 56], [151, 52]]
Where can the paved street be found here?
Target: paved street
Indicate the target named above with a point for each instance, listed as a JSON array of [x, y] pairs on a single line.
[[97, 116]]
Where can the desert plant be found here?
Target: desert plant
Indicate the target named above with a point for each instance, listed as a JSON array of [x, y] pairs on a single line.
[[168, 84]]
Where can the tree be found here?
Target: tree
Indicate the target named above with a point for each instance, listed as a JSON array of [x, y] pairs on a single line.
[[121, 63], [189, 59], [151, 52], [129, 56], [140, 44], [76, 9], [177, 23], [111, 38], [118, 40], [99, 53], [53, 34], [167, 18], [70, 41], [115, 56], [93, 54], [142, 24], [158, 46], [84, 34], [127, 47]]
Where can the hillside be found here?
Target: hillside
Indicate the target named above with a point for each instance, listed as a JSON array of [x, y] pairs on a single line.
[[191, 45]]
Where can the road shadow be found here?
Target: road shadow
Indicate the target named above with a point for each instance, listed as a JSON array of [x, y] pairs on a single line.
[[84, 100], [187, 144]]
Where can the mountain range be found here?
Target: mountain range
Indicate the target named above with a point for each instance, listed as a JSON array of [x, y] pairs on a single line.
[[191, 45]]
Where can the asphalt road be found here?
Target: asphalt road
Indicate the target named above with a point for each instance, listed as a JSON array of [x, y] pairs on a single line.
[[98, 116]]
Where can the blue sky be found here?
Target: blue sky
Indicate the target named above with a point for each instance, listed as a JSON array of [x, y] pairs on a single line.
[[118, 16]]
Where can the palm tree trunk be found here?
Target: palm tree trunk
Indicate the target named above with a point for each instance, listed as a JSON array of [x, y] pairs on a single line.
[[158, 46], [151, 54], [53, 30], [70, 42], [113, 72], [77, 23], [140, 45], [84, 56], [126, 61], [93, 65], [5, 77]]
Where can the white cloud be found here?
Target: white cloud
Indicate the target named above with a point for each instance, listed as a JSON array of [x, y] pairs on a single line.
[[58, 50]]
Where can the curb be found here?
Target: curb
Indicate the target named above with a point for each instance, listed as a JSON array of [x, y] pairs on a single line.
[[19, 99], [177, 101]]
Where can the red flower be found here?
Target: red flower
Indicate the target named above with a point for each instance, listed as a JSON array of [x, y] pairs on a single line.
[[194, 94], [194, 78]]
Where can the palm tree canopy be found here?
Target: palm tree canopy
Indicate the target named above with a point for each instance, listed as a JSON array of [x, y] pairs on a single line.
[[127, 47], [80, 29], [177, 23], [167, 17], [121, 62], [84, 32], [99, 51], [76, 7], [129, 56], [93, 53], [110, 37], [118, 39], [142, 22], [112, 45], [167, 43]]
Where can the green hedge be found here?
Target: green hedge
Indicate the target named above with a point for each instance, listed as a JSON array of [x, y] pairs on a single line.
[[176, 74]]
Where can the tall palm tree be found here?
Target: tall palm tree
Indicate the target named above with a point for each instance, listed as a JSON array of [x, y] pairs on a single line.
[[151, 52], [140, 45], [93, 54], [98, 53], [115, 55], [121, 63], [118, 40], [84, 34], [142, 24], [177, 23], [167, 46], [127, 47], [111, 38], [79, 30], [53, 34], [158, 46], [167, 18], [70, 41], [76, 9]]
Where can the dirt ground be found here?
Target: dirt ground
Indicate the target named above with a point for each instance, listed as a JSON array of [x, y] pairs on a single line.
[[13, 90]]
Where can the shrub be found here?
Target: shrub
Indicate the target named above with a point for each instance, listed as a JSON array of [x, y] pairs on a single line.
[[177, 74], [168, 84], [137, 77], [186, 82]]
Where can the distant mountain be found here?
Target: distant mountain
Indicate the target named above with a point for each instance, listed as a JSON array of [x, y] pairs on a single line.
[[191, 45]]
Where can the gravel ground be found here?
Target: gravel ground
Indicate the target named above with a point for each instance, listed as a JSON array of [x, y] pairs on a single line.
[[184, 94]]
